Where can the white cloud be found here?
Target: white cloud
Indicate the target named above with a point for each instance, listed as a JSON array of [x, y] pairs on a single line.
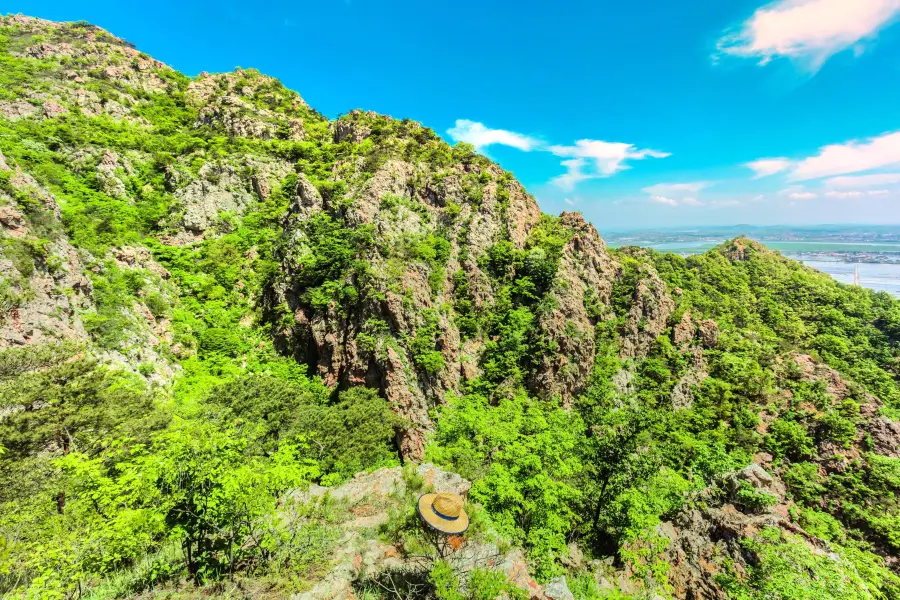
[[856, 194], [802, 195], [809, 31], [852, 157], [592, 159], [863, 181], [586, 159], [677, 189], [480, 136], [678, 194], [768, 166], [569, 202], [574, 174]]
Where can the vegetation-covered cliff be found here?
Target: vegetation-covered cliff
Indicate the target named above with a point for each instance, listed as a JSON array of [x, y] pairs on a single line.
[[211, 297]]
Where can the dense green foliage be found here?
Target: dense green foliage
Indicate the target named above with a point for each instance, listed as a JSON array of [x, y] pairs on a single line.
[[610, 470], [164, 447]]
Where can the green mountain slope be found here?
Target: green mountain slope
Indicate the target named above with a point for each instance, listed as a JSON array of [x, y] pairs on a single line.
[[212, 296]]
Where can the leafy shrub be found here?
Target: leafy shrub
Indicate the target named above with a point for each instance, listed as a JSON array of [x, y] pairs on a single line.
[[157, 304], [422, 346], [837, 428], [789, 439], [501, 259], [335, 256], [9, 298], [445, 581], [786, 567], [485, 584], [521, 455], [802, 479], [822, 525], [220, 340], [752, 499], [351, 435]]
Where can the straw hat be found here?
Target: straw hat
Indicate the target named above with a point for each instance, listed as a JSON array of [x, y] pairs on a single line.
[[444, 513]]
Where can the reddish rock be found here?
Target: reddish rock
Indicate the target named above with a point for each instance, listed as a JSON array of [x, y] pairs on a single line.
[[683, 332], [709, 333]]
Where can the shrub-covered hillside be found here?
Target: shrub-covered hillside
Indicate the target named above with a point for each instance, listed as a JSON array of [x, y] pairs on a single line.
[[217, 306]]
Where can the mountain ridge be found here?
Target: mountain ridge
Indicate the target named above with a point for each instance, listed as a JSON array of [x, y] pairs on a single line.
[[207, 285]]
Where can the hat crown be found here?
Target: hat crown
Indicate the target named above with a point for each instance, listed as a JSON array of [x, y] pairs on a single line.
[[449, 505]]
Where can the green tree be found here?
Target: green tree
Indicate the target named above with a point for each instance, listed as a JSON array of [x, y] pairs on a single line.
[[214, 488], [522, 456]]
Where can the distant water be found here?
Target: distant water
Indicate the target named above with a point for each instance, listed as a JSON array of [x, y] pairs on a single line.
[[700, 246], [876, 276]]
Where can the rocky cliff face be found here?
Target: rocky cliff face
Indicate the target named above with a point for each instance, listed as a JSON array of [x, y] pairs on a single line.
[[432, 216], [431, 228], [43, 288], [367, 249]]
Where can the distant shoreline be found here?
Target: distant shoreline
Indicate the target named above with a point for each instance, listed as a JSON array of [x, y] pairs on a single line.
[[876, 251]]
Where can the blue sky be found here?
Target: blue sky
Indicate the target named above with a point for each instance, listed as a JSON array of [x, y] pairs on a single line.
[[641, 113]]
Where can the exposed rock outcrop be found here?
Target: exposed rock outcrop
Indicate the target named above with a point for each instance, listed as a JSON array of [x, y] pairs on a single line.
[[43, 303], [683, 332], [351, 127], [874, 428], [648, 316], [370, 501], [221, 188], [705, 542], [708, 331], [586, 272], [693, 378], [244, 104], [41, 292], [405, 205], [110, 182]]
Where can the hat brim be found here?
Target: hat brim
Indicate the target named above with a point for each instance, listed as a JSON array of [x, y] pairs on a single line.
[[439, 523]]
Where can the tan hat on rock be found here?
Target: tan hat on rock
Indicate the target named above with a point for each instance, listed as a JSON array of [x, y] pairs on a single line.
[[444, 513]]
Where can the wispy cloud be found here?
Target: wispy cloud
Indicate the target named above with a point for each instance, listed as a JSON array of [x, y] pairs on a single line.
[[853, 194], [851, 157], [593, 159], [856, 194], [573, 176], [481, 137], [586, 159], [863, 181], [678, 194], [677, 189], [808, 31], [798, 192], [765, 167]]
